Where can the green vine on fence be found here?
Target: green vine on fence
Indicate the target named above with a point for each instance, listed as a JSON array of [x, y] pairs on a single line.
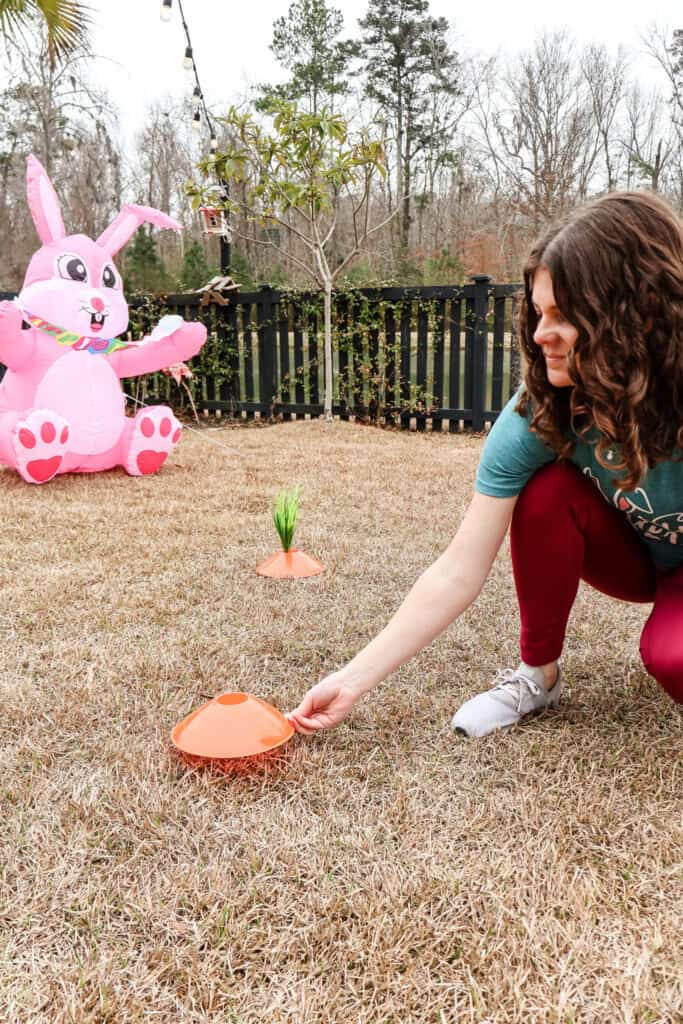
[[371, 382]]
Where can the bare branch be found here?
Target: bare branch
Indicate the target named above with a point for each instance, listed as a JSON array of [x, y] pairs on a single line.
[[283, 252], [252, 212], [359, 242]]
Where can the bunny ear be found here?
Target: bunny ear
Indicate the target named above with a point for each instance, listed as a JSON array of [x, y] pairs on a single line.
[[43, 203], [128, 221]]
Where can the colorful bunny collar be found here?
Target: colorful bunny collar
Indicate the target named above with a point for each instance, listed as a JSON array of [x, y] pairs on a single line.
[[79, 343]]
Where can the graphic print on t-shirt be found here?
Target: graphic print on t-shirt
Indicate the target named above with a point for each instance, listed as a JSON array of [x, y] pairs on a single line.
[[638, 509]]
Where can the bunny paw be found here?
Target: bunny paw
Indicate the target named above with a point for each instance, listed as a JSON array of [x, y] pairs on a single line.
[[156, 432], [39, 444]]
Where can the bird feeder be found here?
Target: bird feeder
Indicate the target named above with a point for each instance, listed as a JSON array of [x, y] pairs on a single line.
[[214, 221]]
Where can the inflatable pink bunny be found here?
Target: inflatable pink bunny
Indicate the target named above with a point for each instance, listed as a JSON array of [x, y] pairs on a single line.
[[62, 409]]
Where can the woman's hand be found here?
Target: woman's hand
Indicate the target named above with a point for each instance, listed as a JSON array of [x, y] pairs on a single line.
[[324, 706]]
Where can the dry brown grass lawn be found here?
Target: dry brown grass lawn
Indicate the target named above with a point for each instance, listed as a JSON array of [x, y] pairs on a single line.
[[381, 873]]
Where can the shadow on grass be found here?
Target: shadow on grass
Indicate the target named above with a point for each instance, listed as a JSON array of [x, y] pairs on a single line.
[[273, 766]]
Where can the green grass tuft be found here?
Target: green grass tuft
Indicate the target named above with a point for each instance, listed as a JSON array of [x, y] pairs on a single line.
[[285, 515]]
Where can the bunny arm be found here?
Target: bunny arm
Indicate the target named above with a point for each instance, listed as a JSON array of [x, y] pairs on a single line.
[[157, 355], [16, 345]]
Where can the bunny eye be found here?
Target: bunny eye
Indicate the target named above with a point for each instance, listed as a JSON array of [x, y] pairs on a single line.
[[72, 268], [109, 277]]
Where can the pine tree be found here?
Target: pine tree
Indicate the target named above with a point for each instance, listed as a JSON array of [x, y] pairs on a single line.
[[408, 65], [196, 271], [145, 271], [305, 41]]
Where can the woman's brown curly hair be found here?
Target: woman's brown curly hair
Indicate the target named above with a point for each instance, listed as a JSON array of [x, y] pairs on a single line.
[[616, 265]]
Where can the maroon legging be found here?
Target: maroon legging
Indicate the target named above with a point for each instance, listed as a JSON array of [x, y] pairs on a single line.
[[563, 530]]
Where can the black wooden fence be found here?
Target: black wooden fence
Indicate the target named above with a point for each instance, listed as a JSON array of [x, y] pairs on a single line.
[[403, 356]]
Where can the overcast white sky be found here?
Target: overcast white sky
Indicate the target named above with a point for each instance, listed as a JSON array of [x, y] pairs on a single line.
[[142, 56]]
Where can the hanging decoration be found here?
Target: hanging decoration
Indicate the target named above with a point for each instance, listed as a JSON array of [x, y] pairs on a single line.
[[212, 223]]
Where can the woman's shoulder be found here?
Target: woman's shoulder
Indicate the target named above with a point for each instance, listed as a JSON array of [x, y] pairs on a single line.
[[512, 452], [513, 424]]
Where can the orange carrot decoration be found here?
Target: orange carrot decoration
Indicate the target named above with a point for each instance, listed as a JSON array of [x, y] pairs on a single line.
[[290, 563]]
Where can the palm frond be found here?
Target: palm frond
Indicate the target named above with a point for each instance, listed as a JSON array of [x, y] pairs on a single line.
[[67, 22]]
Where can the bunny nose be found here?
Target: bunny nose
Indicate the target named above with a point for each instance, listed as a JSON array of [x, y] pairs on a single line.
[[97, 305]]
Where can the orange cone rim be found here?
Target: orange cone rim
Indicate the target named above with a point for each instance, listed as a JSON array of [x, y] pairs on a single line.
[[232, 725], [290, 565]]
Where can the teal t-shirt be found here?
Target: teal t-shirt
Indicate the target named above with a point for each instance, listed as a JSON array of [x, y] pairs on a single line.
[[513, 453]]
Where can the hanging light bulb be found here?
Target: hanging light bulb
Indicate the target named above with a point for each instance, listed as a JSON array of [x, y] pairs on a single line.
[[214, 143], [196, 120], [188, 63], [166, 10], [196, 97]]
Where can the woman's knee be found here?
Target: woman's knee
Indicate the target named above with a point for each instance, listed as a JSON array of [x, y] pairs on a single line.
[[664, 666]]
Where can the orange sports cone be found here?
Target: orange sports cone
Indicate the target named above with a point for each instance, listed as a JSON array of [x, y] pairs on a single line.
[[232, 725], [290, 565]]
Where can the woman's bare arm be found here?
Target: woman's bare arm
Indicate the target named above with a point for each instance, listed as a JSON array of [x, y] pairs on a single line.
[[439, 596]]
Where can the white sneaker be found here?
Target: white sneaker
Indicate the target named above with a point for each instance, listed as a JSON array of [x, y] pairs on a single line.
[[513, 694]]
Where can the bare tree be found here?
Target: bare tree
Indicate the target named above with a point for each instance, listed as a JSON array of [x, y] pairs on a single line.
[[666, 48], [545, 136], [649, 140], [54, 112], [166, 153], [605, 78]]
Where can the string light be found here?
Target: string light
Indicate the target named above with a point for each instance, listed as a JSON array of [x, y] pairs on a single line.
[[199, 108], [198, 103]]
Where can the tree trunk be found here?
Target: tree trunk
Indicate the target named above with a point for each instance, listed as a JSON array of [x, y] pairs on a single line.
[[656, 170], [328, 348], [405, 206], [400, 166]]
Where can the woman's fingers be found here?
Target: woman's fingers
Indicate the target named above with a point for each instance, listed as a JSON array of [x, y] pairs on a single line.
[[307, 726], [312, 702], [324, 706], [295, 714], [305, 707]]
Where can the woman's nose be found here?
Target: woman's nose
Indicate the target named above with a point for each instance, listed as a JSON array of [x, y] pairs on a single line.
[[543, 334]]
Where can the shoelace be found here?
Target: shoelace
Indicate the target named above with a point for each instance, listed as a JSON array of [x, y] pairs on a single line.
[[513, 681]]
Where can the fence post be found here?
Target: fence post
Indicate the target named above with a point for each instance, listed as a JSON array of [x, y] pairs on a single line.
[[267, 341], [480, 353], [515, 361]]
